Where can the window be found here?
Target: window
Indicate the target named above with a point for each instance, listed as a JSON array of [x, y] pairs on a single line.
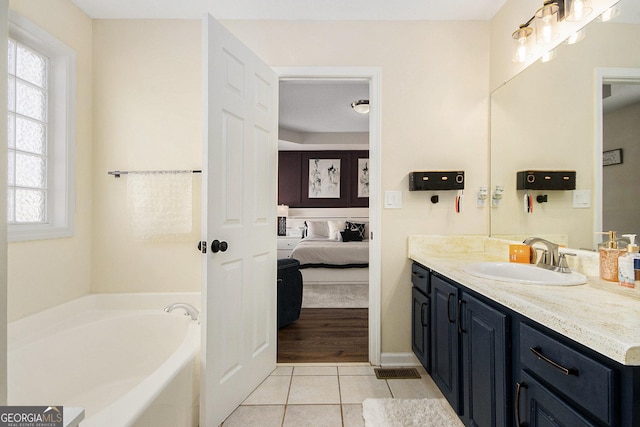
[[41, 134]]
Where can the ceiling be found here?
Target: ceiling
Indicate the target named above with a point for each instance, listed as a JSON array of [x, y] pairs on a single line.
[[322, 106], [622, 95], [333, 10], [304, 106]]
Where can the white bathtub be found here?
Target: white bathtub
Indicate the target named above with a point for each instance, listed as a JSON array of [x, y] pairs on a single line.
[[119, 356]]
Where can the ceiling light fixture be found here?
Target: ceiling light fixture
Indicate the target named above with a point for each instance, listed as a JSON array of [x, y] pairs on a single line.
[[361, 106]]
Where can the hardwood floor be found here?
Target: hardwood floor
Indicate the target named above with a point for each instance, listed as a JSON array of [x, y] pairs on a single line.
[[326, 335]]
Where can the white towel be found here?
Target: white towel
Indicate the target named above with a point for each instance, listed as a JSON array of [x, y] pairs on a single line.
[[160, 203]]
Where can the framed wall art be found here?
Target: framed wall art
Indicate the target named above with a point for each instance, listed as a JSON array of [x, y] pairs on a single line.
[[324, 178]]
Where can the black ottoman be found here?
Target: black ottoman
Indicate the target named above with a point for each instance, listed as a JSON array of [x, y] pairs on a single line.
[[289, 291]]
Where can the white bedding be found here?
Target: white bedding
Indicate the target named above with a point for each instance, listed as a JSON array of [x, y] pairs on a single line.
[[331, 253]]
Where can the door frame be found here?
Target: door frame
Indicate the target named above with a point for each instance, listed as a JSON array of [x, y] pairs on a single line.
[[372, 76], [603, 75]]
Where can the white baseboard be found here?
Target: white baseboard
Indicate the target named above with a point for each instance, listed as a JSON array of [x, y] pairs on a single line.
[[399, 359]]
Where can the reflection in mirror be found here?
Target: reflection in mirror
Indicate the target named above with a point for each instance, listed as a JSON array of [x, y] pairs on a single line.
[[621, 143], [546, 118]]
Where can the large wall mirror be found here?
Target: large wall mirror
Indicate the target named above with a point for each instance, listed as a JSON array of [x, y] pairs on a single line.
[[550, 117]]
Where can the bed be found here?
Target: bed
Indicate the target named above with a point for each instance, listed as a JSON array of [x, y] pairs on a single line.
[[334, 261]]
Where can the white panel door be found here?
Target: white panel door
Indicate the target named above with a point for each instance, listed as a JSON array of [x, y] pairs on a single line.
[[239, 335]]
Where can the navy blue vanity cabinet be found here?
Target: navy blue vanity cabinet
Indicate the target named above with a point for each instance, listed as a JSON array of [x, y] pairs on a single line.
[[485, 363], [445, 345], [498, 368], [421, 315], [470, 357], [536, 406], [420, 327], [560, 382]]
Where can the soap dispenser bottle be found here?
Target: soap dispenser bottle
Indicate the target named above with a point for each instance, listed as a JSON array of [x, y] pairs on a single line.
[[626, 263], [609, 254]]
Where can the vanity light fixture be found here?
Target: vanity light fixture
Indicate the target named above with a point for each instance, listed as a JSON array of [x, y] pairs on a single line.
[[577, 10], [522, 48], [575, 37], [545, 26], [361, 106], [548, 56], [546, 22], [609, 14]]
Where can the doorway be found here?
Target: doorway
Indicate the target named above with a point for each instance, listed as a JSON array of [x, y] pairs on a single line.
[[336, 322]]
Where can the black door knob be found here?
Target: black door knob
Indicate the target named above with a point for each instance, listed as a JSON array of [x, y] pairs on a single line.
[[218, 246]]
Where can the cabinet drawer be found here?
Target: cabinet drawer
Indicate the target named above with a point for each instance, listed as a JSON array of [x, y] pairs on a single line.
[[537, 406], [420, 278], [287, 244], [582, 379]]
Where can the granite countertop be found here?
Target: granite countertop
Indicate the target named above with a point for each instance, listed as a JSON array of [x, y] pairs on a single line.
[[597, 314]]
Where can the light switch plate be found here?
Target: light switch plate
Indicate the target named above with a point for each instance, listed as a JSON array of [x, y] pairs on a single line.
[[581, 199], [393, 199]]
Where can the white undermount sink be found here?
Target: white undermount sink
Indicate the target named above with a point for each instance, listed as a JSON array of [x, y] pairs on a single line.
[[523, 273]]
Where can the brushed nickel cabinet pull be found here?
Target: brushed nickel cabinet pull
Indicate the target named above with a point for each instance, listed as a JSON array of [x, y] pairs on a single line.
[[460, 303], [449, 297], [519, 387], [424, 304], [567, 371]]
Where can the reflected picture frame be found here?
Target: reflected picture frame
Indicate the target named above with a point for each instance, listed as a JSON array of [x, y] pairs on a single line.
[[612, 157]]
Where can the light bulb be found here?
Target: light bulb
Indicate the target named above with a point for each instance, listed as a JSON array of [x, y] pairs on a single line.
[[546, 21], [609, 14], [575, 37], [521, 44], [578, 10], [548, 56]]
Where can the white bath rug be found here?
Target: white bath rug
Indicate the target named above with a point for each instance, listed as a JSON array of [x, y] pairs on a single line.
[[433, 412]]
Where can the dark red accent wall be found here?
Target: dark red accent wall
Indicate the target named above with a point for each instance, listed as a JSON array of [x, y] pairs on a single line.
[[293, 179]]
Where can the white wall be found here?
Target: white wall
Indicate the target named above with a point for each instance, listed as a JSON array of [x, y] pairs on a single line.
[[46, 273], [434, 116], [544, 119], [147, 116]]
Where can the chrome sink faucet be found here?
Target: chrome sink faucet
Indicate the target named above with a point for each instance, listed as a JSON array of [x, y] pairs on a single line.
[[551, 259], [549, 256], [190, 310]]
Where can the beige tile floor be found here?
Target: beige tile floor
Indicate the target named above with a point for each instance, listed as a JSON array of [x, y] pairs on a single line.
[[302, 395]]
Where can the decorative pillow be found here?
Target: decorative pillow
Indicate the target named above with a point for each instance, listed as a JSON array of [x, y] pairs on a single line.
[[359, 228], [335, 227], [351, 236], [317, 229]]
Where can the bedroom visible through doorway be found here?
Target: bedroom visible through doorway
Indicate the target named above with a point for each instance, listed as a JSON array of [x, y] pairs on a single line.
[[323, 188]]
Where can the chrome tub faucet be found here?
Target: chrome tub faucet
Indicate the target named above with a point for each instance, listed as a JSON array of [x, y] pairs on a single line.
[[188, 308]]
